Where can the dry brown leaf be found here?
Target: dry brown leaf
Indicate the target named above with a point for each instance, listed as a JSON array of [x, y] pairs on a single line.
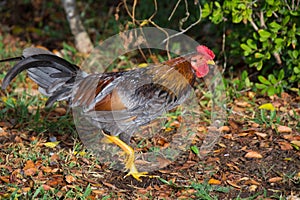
[[163, 162], [29, 168], [60, 111], [263, 135], [255, 125], [285, 146], [46, 169], [233, 167], [253, 188], [26, 189], [296, 142], [70, 178], [201, 129], [18, 139], [224, 129], [5, 179], [284, 129], [30, 172], [54, 157], [46, 187], [222, 145], [242, 104], [251, 182], [243, 134], [53, 182], [291, 137], [3, 133], [251, 94], [275, 179], [233, 184], [228, 136], [29, 164], [213, 181], [234, 125], [253, 154], [98, 192]]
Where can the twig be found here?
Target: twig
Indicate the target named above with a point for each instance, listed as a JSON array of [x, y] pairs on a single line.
[[262, 20], [181, 22], [188, 28], [173, 11], [223, 49], [253, 24]]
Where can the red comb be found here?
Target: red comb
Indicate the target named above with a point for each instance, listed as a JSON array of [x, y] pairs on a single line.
[[205, 50]]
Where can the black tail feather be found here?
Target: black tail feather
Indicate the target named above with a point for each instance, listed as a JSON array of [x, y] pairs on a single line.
[[12, 59], [54, 75], [40, 61]]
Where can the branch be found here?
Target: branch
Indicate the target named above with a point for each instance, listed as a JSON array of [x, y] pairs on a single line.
[[82, 40], [188, 28]]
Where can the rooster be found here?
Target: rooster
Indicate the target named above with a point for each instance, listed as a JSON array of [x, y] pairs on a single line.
[[116, 102]]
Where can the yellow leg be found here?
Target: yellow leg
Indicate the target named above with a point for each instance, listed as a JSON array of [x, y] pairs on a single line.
[[129, 162]]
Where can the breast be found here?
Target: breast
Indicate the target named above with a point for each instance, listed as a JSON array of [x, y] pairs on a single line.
[[111, 102]]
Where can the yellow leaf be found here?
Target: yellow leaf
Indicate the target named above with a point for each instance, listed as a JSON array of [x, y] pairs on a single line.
[[5, 99], [267, 106], [213, 181], [145, 22], [143, 65], [51, 144], [81, 153]]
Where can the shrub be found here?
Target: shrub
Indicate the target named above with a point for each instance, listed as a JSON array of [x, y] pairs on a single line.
[[266, 32]]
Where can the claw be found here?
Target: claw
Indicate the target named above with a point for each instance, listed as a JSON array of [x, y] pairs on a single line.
[[129, 160]]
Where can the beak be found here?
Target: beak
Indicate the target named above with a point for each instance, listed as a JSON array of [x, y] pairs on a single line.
[[211, 62]]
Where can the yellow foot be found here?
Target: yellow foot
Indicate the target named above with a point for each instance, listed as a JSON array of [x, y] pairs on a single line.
[[129, 160], [137, 175]]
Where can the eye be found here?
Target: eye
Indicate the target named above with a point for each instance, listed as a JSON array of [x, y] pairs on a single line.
[[194, 60]]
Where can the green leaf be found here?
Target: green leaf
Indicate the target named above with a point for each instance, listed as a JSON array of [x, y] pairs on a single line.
[[259, 65], [275, 26], [236, 18], [260, 86], [286, 20], [195, 149], [206, 10], [271, 91], [278, 40], [267, 55], [244, 75], [296, 70], [272, 114], [217, 4], [246, 48], [295, 54], [258, 55], [270, 2], [264, 33], [248, 82], [252, 44], [281, 75], [272, 79], [264, 80]]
